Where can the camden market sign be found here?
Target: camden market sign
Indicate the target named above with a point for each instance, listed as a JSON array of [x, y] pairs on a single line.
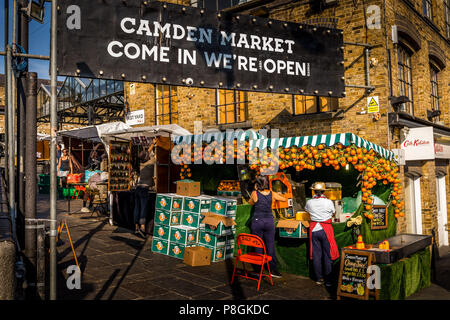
[[171, 44]]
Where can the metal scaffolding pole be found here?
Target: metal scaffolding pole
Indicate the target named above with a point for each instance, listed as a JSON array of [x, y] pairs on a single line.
[[53, 129], [6, 38], [11, 149]]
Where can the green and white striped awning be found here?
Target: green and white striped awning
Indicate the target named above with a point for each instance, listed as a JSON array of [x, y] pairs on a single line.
[[219, 136], [345, 139]]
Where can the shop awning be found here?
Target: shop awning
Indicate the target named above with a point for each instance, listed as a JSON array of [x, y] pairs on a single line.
[[148, 131], [219, 136], [345, 139], [95, 133]]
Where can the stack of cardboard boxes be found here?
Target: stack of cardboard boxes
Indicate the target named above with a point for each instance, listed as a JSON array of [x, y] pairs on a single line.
[[183, 221]]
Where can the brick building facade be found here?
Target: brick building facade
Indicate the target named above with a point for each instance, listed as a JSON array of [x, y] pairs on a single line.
[[421, 54]]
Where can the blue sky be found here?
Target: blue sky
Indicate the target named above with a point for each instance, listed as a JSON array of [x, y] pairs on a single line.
[[39, 40]]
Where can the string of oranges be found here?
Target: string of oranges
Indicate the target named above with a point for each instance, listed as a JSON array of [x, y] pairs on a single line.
[[371, 165]]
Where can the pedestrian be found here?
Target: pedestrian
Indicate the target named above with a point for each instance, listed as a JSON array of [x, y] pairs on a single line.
[[65, 167], [58, 152], [323, 247], [145, 184], [262, 223]]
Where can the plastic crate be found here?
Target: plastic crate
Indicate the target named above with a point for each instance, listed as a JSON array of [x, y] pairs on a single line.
[[44, 188]]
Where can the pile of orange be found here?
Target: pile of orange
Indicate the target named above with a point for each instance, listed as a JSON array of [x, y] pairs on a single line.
[[229, 185], [372, 166]]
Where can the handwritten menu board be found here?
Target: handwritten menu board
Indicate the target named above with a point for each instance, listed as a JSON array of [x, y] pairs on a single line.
[[353, 274], [380, 217], [119, 166]]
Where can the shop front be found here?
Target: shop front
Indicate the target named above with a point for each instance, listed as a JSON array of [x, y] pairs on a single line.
[[362, 181]]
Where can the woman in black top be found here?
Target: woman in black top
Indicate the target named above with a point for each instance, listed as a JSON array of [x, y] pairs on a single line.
[[262, 223], [64, 167]]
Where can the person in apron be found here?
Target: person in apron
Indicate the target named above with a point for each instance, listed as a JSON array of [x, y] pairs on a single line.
[[262, 223], [323, 247]]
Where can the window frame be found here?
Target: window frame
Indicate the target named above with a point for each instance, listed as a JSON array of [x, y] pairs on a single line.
[[447, 17], [434, 94], [405, 85], [170, 97], [428, 9], [317, 102], [234, 104]]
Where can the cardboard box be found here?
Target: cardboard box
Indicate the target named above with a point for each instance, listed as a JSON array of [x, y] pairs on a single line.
[[169, 202], [218, 224], [188, 188], [167, 218], [224, 206], [197, 256], [293, 228], [190, 219], [160, 246], [176, 250], [161, 231], [217, 252], [210, 240], [184, 235], [199, 204]]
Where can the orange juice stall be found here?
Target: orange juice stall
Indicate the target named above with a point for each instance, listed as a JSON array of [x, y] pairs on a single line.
[[362, 180]]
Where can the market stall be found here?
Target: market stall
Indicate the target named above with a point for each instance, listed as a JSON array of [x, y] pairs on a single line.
[[363, 175], [125, 147]]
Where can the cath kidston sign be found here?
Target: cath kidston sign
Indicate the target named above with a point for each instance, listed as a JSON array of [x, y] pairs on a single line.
[[165, 43], [418, 144]]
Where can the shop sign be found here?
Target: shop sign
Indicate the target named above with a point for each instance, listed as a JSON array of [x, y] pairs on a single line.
[[380, 217], [373, 104], [135, 117], [419, 144], [441, 150], [158, 42], [353, 274]]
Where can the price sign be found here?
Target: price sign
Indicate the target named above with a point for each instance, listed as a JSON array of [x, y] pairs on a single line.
[[380, 217], [353, 274]]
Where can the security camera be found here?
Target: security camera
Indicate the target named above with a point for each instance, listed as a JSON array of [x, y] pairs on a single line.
[[189, 81]]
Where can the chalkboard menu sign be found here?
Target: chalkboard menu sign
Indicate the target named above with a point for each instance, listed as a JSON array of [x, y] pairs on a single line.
[[353, 274], [380, 217]]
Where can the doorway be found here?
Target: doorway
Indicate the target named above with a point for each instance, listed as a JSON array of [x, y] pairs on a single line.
[[413, 204], [441, 194]]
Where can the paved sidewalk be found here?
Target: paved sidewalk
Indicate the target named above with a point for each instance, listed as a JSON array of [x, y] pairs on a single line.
[[116, 264]]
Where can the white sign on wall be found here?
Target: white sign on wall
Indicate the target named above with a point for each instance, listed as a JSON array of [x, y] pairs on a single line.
[[419, 144], [135, 117], [442, 150]]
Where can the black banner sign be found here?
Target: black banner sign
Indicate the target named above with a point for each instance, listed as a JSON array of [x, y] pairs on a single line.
[[171, 44], [353, 274], [380, 217]]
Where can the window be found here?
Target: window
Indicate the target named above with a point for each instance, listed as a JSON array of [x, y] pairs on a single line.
[[405, 78], [428, 9], [311, 104], [216, 5], [434, 89], [447, 17], [166, 104], [231, 106]]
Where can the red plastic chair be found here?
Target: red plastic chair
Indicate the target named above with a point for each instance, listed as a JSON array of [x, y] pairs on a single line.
[[251, 240]]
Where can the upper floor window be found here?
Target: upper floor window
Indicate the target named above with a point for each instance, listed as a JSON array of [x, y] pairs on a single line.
[[405, 78], [447, 17], [428, 9], [232, 106], [434, 88], [166, 104], [312, 104], [216, 4]]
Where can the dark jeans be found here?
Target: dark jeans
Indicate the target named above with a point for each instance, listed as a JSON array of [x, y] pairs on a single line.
[[265, 229], [322, 262], [141, 204]]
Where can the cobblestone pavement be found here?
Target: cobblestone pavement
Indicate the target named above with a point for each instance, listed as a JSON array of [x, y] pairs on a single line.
[[116, 264]]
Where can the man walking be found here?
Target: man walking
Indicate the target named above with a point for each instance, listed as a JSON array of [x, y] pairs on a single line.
[[323, 247]]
